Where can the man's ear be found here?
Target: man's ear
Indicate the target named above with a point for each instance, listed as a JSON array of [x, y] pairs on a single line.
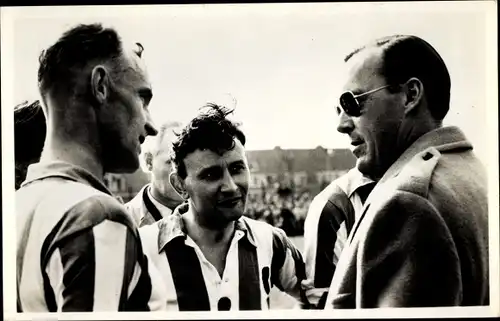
[[414, 90], [148, 161], [99, 84], [178, 184]]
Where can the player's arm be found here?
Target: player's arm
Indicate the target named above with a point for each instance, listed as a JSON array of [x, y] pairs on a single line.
[[97, 264], [322, 229], [287, 267]]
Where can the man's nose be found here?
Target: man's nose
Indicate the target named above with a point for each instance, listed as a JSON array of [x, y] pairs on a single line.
[[150, 126], [346, 125], [228, 183]]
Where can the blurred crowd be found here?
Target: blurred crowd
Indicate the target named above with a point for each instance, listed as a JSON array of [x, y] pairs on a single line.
[[281, 207]]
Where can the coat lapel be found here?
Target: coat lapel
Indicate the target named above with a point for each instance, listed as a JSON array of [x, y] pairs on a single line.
[[443, 139]]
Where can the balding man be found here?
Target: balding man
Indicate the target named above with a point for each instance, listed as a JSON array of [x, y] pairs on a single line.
[[77, 247], [157, 199], [422, 237]]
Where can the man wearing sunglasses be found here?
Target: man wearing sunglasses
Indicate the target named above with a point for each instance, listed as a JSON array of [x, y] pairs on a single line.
[[422, 238]]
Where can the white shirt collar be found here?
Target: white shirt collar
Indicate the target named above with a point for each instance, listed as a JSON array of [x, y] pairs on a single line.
[[164, 211]]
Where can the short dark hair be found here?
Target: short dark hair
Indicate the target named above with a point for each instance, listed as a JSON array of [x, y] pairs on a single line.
[[29, 132], [406, 56], [210, 130], [61, 63]]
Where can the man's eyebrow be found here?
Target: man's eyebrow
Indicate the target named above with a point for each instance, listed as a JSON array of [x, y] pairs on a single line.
[[209, 168], [237, 162]]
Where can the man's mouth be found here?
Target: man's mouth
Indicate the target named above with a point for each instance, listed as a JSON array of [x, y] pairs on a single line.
[[229, 202], [356, 147], [356, 142]]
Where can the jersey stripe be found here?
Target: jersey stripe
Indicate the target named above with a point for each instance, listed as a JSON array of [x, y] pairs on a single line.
[[129, 272], [55, 270], [286, 259], [110, 238], [188, 279], [45, 254], [77, 259], [139, 298], [329, 224], [249, 281], [21, 251]]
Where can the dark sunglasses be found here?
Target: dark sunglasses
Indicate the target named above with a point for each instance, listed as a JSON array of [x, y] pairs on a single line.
[[350, 104]]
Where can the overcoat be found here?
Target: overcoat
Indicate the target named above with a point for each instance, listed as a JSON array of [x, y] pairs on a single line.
[[422, 239]]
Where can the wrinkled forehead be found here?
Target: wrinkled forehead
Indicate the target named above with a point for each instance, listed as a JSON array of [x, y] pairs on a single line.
[[362, 71]]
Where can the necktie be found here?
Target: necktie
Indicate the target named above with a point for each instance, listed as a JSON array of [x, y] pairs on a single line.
[[364, 191]]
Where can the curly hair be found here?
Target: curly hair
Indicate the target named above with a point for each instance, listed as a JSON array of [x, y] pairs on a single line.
[[210, 130]]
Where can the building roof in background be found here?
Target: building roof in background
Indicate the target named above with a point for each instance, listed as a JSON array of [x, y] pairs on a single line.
[[279, 160], [274, 161]]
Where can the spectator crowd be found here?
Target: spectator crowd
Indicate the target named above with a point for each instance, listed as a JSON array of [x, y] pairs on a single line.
[[280, 206]]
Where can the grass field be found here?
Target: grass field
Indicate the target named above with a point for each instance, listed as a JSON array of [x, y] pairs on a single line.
[[278, 299]]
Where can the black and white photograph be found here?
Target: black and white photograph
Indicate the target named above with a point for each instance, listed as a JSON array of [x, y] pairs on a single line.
[[295, 160]]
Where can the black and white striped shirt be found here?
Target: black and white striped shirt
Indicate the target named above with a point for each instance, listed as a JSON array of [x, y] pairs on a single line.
[[260, 256], [329, 221], [77, 247]]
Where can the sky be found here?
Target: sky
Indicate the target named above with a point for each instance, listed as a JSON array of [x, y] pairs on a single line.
[[279, 65]]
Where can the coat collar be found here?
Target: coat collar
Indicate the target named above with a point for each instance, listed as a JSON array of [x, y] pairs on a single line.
[[172, 227], [443, 139], [39, 171]]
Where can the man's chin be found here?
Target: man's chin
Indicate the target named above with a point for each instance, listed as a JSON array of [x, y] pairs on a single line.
[[369, 169], [232, 214], [125, 165], [363, 166], [223, 219]]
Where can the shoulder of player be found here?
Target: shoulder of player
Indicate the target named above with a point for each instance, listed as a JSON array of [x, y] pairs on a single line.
[[263, 227], [252, 224], [78, 208], [261, 232], [338, 188], [89, 207], [326, 201], [328, 191]]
